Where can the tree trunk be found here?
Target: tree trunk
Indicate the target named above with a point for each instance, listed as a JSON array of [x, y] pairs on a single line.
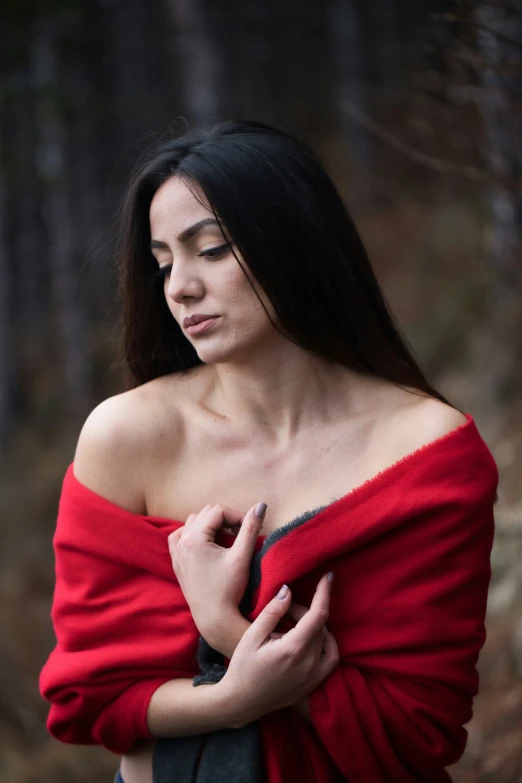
[[349, 78], [29, 245], [63, 261], [7, 354], [504, 159], [199, 62], [382, 34]]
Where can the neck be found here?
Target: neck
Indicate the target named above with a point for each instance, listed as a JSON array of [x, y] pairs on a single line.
[[278, 396]]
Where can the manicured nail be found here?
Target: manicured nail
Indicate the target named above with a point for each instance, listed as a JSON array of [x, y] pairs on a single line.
[[283, 592], [330, 576], [260, 510]]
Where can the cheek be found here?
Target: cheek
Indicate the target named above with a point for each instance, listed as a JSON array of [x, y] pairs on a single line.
[[245, 300], [247, 311]]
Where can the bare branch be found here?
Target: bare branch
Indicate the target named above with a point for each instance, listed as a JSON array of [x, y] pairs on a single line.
[[500, 36], [428, 161]]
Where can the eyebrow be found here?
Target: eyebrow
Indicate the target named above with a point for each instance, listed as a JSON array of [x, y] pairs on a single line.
[[185, 235]]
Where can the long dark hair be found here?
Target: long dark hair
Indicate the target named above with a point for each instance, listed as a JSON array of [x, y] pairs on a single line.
[[285, 217]]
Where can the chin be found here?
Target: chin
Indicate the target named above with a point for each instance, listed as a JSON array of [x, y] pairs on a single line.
[[236, 348], [215, 354], [218, 353]]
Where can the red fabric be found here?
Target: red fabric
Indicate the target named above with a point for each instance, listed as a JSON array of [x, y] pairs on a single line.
[[410, 551]]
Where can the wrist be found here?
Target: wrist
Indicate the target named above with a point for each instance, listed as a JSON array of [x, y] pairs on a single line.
[[228, 633], [227, 704]]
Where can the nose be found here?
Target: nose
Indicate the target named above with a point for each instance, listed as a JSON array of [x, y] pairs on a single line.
[[183, 283]]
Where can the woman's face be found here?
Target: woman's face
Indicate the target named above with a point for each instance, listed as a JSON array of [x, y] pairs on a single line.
[[202, 276]]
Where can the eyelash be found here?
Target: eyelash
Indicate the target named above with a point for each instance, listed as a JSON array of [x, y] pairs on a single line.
[[212, 253]]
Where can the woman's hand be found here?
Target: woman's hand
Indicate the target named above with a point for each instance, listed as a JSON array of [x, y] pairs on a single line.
[[267, 674], [214, 578], [296, 611]]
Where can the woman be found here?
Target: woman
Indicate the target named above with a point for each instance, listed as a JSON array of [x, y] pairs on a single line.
[[266, 375]]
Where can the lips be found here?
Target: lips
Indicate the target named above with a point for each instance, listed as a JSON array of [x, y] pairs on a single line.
[[203, 326], [197, 318]]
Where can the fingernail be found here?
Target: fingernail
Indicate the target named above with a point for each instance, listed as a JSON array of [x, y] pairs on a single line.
[[283, 592], [330, 576], [260, 510]]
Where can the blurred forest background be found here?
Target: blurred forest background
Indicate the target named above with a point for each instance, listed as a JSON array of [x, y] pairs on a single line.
[[415, 107]]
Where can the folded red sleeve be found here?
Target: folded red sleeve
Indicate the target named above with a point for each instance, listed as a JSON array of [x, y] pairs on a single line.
[[122, 625]]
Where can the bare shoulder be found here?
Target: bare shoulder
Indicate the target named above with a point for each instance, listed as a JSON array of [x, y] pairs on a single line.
[[119, 438], [432, 418], [417, 422]]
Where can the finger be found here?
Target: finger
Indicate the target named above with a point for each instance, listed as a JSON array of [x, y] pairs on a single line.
[[326, 658], [235, 526], [246, 539], [329, 643], [318, 643], [311, 624], [330, 657], [208, 522], [212, 518], [191, 517], [266, 622], [296, 611], [322, 638], [173, 539], [232, 518]]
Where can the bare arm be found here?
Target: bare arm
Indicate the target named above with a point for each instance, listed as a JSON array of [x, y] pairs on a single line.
[[265, 674], [178, 709]]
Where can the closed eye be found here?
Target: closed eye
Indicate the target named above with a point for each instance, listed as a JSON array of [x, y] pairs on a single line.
[[212, 252], [163, 271]]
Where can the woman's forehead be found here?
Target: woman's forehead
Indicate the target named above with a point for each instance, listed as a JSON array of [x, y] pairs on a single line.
[[174, 206]]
